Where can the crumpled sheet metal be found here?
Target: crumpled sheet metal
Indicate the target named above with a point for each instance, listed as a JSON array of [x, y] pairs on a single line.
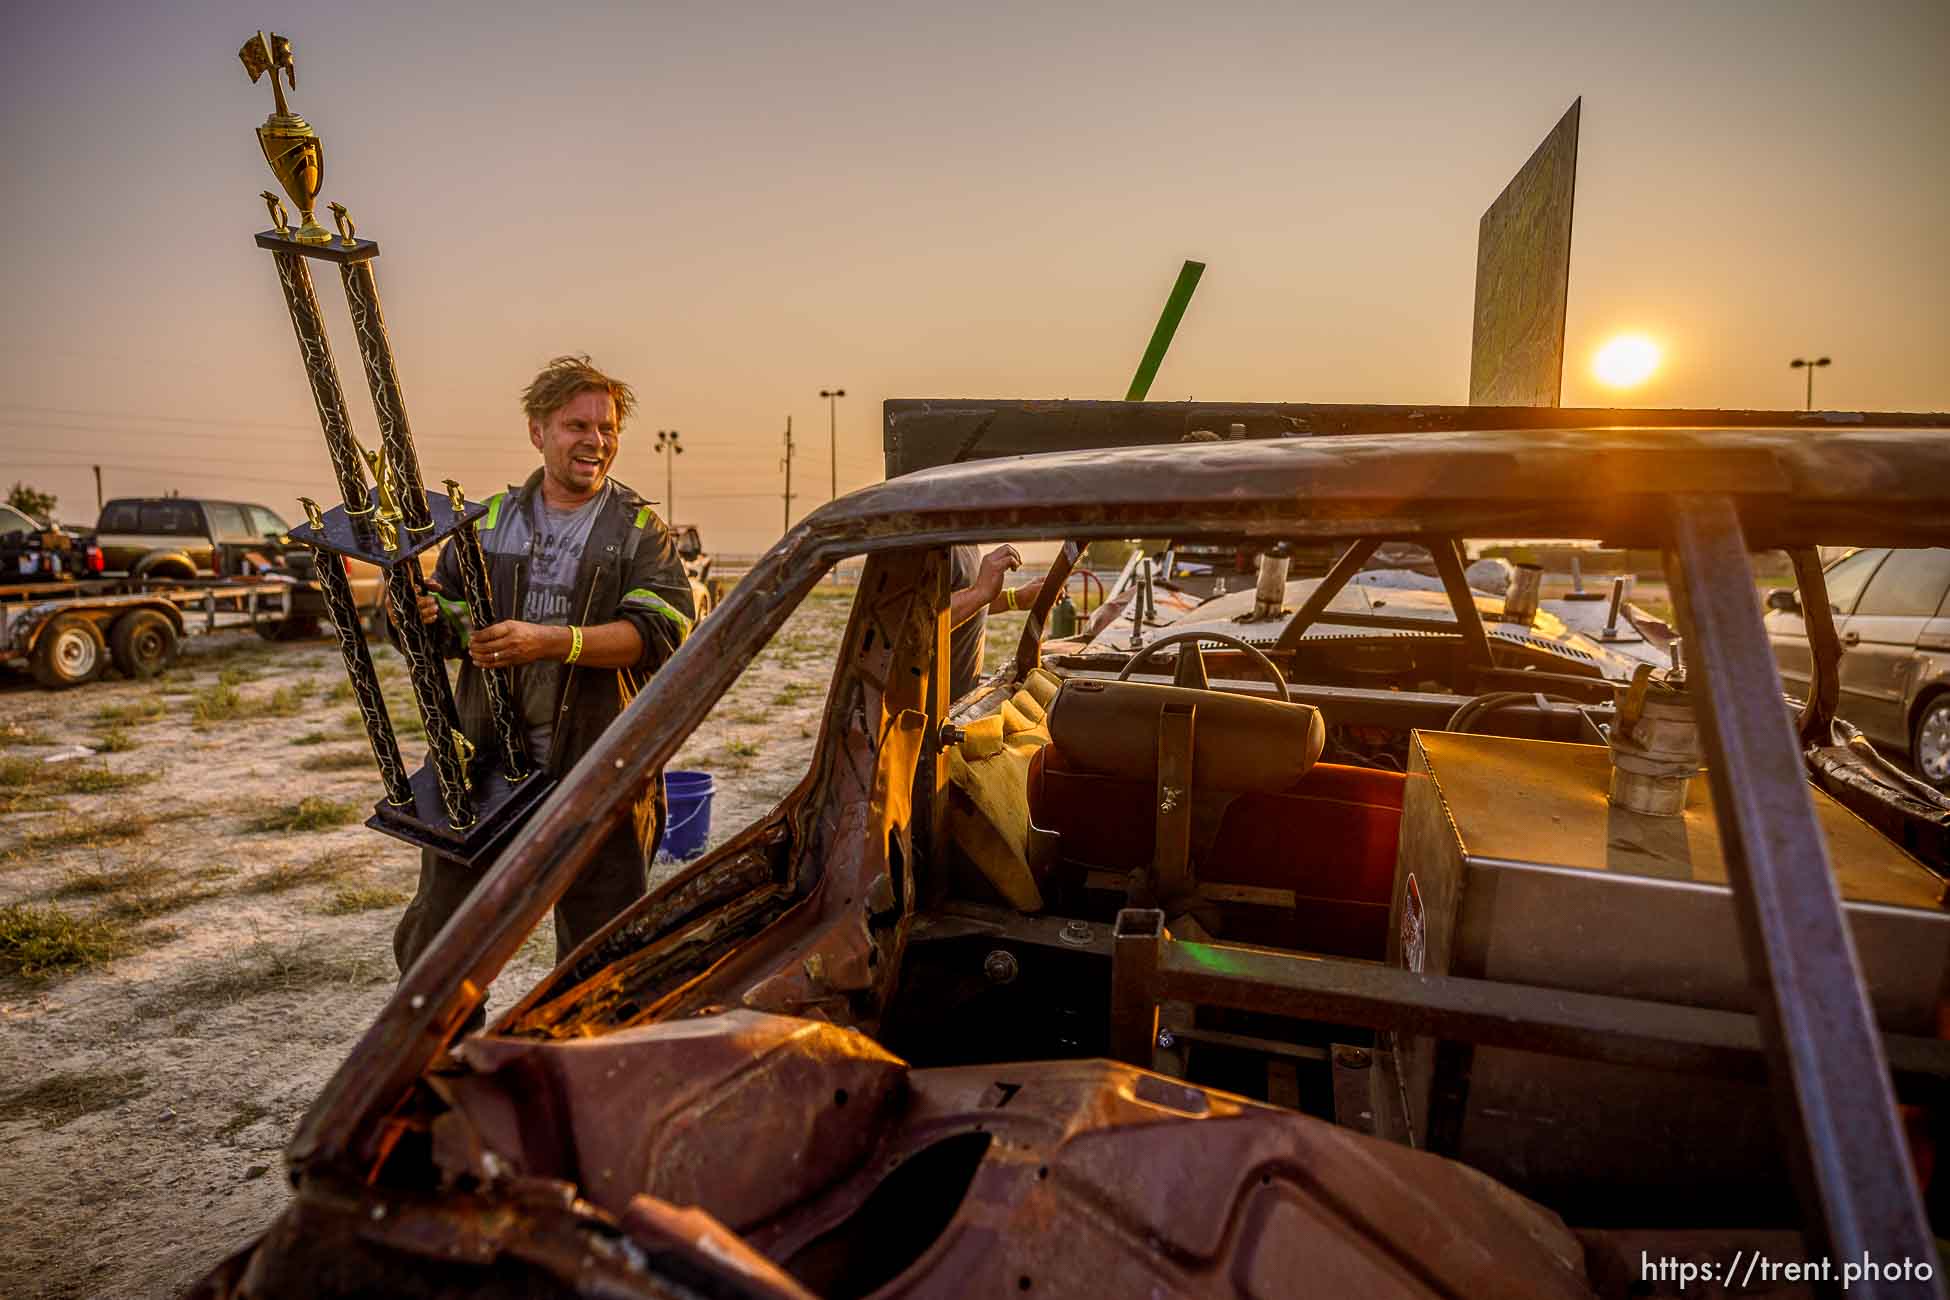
[[1097, 1179], [740, 1113]]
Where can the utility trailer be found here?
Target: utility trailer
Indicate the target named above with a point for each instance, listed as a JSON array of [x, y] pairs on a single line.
[[70, 634]]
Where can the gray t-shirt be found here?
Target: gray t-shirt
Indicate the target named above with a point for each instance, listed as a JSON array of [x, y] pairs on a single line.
[[966, 642], [553, 541]]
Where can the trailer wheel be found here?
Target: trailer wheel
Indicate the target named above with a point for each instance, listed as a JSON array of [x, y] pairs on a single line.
[[142, 643], [69, 652]]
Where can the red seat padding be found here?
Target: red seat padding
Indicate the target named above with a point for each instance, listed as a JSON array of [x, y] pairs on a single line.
[[1329, 837]]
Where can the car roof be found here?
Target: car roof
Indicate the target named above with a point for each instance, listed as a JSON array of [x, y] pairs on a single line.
[[1791, 486]]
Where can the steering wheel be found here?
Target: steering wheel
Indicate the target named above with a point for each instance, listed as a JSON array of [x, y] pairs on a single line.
[[1191, 668]]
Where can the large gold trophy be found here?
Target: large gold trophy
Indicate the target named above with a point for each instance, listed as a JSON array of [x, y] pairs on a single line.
[[461, 802]]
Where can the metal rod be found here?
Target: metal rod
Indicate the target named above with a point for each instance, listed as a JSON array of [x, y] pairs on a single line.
[[432, 693], [1330, 586], [395, 435], [344, 612], [1136, 940], [1824, 648], [1844, 1142], [1611, 611], [1449, 566], [1557, 1022], [315, 350], [480, 610]]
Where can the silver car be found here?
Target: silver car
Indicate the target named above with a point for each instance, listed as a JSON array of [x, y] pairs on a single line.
[[1892, 612]]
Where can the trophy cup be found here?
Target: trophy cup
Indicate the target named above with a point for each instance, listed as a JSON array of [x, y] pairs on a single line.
[[461, 802]]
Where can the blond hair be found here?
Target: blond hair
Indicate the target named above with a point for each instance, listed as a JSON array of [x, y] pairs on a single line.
[[566, 376]]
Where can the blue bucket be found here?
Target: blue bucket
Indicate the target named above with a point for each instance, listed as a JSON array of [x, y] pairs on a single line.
[[689, 825]]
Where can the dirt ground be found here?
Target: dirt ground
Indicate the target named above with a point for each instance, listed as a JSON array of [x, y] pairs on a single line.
[[234, 922]]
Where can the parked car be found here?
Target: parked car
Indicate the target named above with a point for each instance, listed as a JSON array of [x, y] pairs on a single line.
[[1892, 612], [1107, 979], [186, 537], [33, 552]]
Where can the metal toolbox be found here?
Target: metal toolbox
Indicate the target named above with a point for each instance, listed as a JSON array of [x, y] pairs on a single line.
[[1512, 866]]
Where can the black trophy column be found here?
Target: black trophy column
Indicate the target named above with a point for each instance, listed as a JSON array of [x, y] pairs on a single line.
[[362, 293], [434, 696], [325, 391], [365, 682], [480, 605]]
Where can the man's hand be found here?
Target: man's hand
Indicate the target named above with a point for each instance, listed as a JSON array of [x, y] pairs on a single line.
[[512, 643], [988, 579], [429, 607]]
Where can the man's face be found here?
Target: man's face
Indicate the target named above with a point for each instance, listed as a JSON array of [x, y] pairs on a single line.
[[578, 442]]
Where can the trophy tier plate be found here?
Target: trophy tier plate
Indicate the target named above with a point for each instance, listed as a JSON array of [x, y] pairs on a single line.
[[500, 806], [335, 250], [341, 537]]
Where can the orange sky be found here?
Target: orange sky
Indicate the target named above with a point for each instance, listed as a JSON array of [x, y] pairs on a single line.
[[734, 207]]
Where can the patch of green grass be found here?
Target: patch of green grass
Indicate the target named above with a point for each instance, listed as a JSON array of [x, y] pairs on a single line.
[[362, 898], [337, 760], [312, 813], [67, 1097], [789, 694], [224, 702], [115, 740], [113, 880], [99, 830], [78, 778], [321, 870], [161, 902], [19, 733], [312, 738], [38, 942], [741, 751], [263, 970], [134, 713], [340, 693], [237, 675], [17, 772], [217, 703]]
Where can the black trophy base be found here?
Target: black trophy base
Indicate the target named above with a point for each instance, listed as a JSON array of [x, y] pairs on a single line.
[[500, 807], [359, 537]]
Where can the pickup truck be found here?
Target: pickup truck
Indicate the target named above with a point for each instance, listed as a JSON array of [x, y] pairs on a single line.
[[187, 537]]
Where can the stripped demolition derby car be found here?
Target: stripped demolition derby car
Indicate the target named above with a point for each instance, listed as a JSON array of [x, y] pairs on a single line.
[[1113, 978]]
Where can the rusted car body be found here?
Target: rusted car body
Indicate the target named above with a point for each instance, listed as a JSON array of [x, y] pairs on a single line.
[[847, 1053]]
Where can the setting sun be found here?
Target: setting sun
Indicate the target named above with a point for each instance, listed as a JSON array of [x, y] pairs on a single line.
[[1626, 361]]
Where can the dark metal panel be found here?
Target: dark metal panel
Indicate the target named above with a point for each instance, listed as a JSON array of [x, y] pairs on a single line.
[[1842, 1136], [922, 433], [1523, 277]]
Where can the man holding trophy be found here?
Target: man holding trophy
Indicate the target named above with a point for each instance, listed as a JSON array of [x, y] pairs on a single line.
[[559, 597], [589, 599]]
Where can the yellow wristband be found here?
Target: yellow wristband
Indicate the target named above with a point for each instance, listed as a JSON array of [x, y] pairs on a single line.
[[575, 644], [1010, 592]]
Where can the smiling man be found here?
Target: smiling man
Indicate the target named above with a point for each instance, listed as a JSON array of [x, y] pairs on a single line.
[[590, 598]]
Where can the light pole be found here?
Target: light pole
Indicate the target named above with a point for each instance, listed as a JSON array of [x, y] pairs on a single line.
[[787, 463], [670, 449], [1800, 362], [832, 396]]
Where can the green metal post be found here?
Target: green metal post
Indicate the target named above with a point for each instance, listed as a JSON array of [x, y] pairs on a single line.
[[1154, 355]]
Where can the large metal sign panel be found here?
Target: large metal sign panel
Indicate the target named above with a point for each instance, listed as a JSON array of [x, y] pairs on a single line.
[[1523, 275]]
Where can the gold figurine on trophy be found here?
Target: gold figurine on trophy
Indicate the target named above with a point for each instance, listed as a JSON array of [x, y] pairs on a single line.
[[293, 149]]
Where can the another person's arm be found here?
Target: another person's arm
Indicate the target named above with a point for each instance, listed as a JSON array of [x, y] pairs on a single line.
[[988, 590]]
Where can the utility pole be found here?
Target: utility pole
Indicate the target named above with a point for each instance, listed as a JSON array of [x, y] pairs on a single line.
[[832, 396], [787, 462], [670, 449], [1800, 362], [98, 487]]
